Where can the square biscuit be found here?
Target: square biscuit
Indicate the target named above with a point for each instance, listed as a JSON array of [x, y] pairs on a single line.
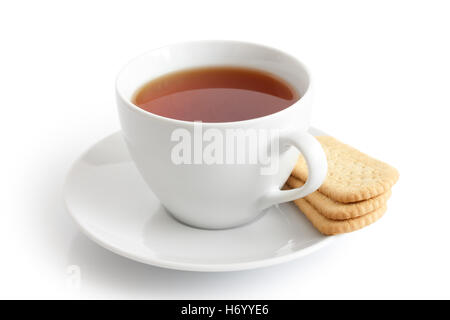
[[331, 227], [352, 175], [337, 210]]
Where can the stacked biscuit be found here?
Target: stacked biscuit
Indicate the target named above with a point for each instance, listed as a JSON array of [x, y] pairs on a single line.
[[354, 193]]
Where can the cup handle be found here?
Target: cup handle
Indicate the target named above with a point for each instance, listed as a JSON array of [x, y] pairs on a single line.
[[316, 161]]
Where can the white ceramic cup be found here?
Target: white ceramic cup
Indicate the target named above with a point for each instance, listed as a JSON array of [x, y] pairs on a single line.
[[217, 196]]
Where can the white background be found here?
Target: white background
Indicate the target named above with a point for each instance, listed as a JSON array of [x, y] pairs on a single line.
[[382, 84]]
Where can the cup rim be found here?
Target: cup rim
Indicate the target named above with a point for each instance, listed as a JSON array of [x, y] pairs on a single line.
[[131, 106]]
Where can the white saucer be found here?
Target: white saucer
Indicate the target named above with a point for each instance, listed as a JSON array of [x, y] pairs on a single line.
[[114, 207]]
